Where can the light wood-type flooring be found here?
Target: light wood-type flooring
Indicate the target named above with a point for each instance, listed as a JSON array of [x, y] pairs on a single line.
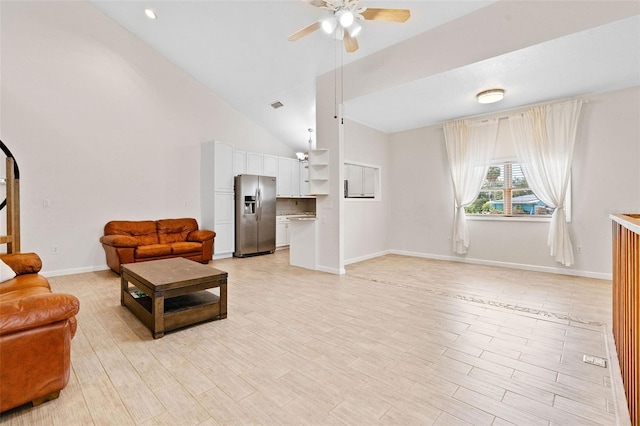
[[397, 340]]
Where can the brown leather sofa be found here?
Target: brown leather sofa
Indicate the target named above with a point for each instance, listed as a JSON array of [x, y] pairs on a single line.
[[36, 328], [139, 241]]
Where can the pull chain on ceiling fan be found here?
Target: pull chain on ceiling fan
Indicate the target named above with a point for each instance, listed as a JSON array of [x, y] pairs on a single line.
[[343, 22]]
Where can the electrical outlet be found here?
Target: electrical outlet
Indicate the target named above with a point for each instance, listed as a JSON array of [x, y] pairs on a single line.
[[46, 202], [55, 249], [579, 249]]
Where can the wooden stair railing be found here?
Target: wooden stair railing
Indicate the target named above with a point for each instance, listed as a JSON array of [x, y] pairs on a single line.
[[12, 202]]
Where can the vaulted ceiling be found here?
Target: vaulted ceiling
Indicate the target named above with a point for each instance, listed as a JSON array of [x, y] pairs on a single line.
[[418, 73]]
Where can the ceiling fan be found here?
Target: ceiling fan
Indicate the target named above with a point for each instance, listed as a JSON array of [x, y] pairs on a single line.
[[343, 22]]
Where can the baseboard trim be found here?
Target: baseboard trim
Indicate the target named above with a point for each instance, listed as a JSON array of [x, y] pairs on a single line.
[[523, 266], [335, 271], [366, 257], [72, 271]]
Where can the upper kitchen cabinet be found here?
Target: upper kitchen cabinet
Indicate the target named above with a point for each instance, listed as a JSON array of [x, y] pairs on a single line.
[[223, 167], [270, 165], [360, 181], [239, 163], [254, 163], [283, 180]]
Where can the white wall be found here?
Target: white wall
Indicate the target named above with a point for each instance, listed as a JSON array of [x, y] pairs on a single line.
[[103, 127], [366, 220], [606, 178]]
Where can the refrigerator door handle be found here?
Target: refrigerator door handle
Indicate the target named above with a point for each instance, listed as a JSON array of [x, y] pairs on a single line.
[[258, 204]]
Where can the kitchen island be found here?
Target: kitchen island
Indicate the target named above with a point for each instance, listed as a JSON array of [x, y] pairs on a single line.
[[302, 242]]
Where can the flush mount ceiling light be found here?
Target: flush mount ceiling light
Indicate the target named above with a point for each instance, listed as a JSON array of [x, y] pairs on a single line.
[[490, 96], [150, 13]]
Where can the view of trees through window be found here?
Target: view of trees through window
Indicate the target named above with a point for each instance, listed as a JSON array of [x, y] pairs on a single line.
[[505, 191]]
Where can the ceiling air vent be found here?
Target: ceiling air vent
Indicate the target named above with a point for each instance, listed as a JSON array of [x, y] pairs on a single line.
[[276, 105]]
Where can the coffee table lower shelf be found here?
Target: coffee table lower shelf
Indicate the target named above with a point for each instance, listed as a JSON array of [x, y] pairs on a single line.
[[179, 311]]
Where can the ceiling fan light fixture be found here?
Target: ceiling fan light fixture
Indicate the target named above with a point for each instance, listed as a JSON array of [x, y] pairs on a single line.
[[329, 24], [490, 96], [339, 34], [345, 17], [354, 29]]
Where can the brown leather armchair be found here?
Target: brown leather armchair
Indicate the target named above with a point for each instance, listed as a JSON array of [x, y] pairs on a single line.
[[36, 328]]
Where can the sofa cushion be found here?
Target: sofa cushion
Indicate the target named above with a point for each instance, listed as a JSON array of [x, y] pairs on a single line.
[[24, 281], [144, 231], [185, 247], [152, 250], [174, 230], [33, 307]]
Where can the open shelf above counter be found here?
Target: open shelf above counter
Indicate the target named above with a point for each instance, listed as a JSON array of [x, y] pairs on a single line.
[[319, 172]]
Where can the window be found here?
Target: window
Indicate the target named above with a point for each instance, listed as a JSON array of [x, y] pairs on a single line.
[[361, 181], [505, 192]]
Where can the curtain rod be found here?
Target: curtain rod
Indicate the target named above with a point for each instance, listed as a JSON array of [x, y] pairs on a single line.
[[513, 111]]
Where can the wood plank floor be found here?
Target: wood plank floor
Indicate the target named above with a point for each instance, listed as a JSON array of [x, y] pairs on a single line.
[[397, 340]]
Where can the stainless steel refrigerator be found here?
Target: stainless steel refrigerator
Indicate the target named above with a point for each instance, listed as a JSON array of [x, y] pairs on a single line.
[[255, 198]]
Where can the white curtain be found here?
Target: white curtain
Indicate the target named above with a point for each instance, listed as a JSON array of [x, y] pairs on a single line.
[[544, 138], [470, 148]]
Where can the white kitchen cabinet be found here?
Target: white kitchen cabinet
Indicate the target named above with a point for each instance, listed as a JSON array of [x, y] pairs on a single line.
[[369, 181], [282, 231], [361, 181], [216, 180], [254, 163], [224, 208], [270, 165], [239, 163], [295, 177], [223, 167], [354, 180], [304, 178], [283, 181]]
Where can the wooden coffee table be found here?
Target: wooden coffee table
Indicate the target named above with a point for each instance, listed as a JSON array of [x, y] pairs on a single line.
[[171, 293]]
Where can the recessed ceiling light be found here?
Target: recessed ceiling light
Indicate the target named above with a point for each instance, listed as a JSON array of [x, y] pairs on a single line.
[[150, 13], [490, 96]]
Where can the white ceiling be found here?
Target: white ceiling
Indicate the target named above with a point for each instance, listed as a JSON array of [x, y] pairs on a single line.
[[239, 49]]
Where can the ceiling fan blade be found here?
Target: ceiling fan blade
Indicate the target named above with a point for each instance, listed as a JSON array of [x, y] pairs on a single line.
[[393, 15], [350, 43], [317, 3], [305, 31]]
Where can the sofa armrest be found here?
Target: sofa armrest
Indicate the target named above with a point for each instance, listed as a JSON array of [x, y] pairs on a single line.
[[23, 313], [201, 235], [23, 263], [119, 241]]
